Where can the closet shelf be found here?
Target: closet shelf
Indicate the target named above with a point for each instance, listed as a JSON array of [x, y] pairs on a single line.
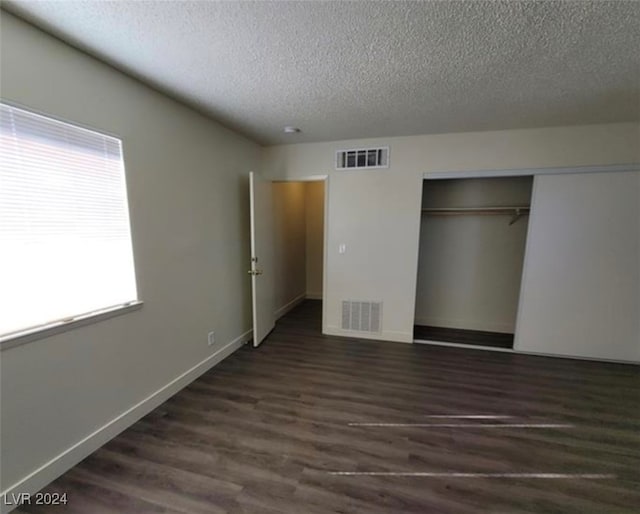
[[516, 211]]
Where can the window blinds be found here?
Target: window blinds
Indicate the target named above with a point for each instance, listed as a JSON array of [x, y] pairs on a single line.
[[65, 242]]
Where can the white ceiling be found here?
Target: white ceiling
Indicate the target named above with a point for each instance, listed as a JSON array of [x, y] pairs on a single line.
[[341, 70]]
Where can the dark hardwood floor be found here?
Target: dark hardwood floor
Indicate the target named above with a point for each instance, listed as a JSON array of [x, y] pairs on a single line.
[[263, 432], [463, 336]]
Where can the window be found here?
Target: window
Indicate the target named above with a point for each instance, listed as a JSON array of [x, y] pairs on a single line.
[[65, 241]]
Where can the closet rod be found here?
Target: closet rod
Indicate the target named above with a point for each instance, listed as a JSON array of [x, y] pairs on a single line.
[[473, 210], [515, 211]]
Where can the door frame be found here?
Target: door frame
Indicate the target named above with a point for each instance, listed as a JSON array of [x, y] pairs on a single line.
[[517, 172]]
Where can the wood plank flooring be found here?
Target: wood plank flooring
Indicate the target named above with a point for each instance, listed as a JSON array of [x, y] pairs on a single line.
[[463, 336], [263, 431]]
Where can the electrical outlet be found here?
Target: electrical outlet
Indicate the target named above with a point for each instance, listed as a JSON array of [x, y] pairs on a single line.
[[211, 338]]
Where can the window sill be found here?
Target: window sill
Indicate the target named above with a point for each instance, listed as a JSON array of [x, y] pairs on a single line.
[[43, 331]]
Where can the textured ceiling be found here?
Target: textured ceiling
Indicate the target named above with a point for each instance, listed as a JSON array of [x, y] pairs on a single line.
[[341, 70]]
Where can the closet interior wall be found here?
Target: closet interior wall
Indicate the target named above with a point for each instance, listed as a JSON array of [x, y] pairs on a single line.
[[471, 260]]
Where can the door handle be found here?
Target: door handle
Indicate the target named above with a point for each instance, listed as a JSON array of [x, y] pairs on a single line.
[[255, 272]]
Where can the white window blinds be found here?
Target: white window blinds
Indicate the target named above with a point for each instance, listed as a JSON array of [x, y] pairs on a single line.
[[65, 241]]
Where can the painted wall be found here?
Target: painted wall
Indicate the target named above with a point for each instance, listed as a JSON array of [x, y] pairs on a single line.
[[187, 180], [581, 287], [290, 243], [314, 201], [376, 213], [470, 266]]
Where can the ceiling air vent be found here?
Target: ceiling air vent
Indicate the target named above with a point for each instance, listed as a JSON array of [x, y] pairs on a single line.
[[361, 316], [362, 158]]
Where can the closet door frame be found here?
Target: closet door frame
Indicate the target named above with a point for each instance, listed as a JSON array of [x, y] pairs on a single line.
[[519, 172]]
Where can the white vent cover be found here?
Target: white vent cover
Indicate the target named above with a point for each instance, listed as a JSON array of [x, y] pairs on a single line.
[[361, 316], [362, 158]]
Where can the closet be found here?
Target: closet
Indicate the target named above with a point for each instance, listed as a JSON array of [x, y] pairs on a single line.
[[472, 245]]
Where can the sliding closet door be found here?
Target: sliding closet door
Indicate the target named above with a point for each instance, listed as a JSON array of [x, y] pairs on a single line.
[[581, 282]]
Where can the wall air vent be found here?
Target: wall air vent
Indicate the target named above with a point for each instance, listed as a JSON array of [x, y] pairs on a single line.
[[362, 158], [361, 316]]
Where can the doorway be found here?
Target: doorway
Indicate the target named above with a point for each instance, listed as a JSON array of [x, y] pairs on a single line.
[[472, 244], [298, 243], [287, 222]]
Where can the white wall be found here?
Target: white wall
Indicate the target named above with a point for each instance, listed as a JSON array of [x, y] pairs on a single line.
[[581, 287], [289, 245], [377, 213], [470, 266], [187, 182], [314, 202]]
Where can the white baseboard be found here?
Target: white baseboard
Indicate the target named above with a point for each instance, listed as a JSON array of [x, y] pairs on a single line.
[[462, 345], [465, 324], [520, 352], [290, 305], [314, 296], [51, 470], [577, 357], [389, 336]]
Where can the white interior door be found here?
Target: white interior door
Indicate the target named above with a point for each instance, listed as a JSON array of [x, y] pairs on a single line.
[[262, 270]]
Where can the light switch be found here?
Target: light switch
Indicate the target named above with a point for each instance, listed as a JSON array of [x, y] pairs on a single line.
[[342, 248]]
